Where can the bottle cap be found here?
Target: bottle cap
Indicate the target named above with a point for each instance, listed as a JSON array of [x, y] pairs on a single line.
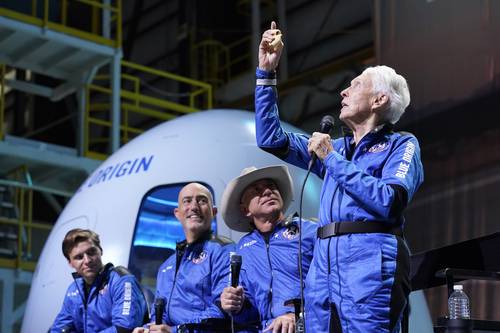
[[458, 287]]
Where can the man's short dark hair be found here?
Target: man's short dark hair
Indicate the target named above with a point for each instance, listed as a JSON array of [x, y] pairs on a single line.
[[75, 236]]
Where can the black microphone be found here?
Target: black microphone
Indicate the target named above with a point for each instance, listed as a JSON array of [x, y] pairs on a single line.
[[325, 126], [235, 269], [159, 309]]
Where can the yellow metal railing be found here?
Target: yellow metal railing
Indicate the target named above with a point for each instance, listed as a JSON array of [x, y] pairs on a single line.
[[240, 56], [140, 108], [218, 63], [53, 15], [19, 182], [211, 59]]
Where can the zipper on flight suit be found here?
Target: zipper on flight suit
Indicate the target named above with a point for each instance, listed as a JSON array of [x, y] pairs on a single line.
[[179, 254], [84, 297], [270, 294]]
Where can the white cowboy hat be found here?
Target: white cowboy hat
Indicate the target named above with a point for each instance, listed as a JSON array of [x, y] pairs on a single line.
[[231, 198]]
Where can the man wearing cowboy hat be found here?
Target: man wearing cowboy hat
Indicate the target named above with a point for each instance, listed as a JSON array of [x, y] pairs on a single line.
[[255, 202]]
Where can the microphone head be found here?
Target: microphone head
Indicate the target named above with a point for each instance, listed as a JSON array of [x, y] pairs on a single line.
[[235, 269], [160, 302], [326, 124], [159, 310], [235, 259]]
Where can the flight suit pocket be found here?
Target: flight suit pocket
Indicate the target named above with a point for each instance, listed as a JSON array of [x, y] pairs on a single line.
[[205, 286], [364, 273]]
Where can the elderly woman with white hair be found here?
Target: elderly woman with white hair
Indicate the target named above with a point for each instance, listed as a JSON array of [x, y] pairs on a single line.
[[359, 276]]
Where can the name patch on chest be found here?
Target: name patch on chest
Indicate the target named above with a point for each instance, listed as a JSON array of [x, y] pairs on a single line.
[[250, 243], [72, 293]]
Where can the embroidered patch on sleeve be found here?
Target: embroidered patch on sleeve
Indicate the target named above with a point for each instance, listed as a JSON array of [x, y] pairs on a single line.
[[127, 299], [404, 165]]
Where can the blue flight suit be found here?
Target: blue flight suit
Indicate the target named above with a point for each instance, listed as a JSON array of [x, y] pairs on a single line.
[[191, 281], [361, 277], [114, 303], [270, 269]]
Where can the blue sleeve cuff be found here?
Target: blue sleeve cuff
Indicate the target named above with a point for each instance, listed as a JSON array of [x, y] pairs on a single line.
[[332, 157], [262, 74]]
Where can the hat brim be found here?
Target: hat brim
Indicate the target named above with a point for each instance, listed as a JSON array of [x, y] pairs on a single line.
[[230, 201]]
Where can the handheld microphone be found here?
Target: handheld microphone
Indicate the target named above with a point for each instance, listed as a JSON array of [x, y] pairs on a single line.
[[159, 309], [235, 277], [235, 269], [325, 126]]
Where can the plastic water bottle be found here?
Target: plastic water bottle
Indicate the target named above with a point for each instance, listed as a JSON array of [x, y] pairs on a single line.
[[458, 303]]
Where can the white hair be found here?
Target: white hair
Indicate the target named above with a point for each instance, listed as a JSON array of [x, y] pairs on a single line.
[[386, 80]]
